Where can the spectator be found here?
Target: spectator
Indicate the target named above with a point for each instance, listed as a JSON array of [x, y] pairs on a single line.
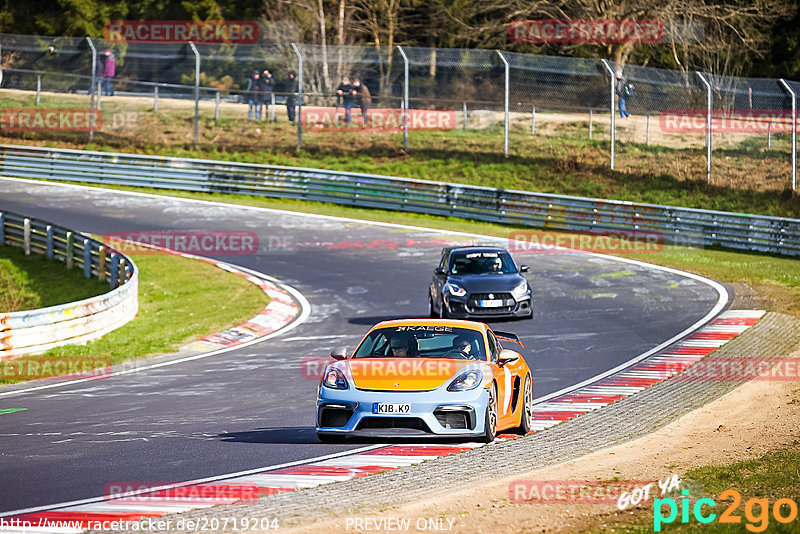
[[624, 91], [292, 88], [252, 93], [109, 70], [345, 91], [266, 91], [363, 98]]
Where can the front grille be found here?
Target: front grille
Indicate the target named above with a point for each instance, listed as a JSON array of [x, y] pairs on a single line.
[[485, 296], [507, 307], [410, 423], [336, 417]]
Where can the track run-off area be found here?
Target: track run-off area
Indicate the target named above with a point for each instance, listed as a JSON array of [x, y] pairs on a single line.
[[254, 407]]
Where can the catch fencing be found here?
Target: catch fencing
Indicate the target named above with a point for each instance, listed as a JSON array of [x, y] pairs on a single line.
[[682, 226], [735, 129], [38, 330]]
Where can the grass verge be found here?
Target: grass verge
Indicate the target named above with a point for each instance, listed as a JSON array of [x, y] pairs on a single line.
[[30, 282], [766, 479], [180, 300]]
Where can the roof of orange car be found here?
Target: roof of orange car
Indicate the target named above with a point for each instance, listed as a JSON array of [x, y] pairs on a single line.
[[457, 323]]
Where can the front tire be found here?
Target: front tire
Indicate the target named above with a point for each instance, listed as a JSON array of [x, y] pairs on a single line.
[[526, 417], [490, 418], [431, 311]]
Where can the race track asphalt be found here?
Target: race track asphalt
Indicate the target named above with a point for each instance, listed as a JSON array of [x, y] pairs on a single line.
[[252, 407]]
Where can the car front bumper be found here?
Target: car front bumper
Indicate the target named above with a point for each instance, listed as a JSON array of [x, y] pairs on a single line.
[[460, 308], [350, 412]]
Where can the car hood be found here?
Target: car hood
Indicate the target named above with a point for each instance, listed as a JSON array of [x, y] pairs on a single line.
[[403, 374], [487, 283]]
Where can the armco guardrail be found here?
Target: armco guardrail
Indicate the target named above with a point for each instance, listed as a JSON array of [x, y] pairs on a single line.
[[30, 331], [685, 226]]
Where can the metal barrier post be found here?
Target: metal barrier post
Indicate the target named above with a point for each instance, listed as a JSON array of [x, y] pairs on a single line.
[[648, 129], [299, 96], [465, 116], [26, 236], [794, 132], [49, 243], [708, 125], [2, 229], [405, 97], [216, 107], [591, 123], [611, 109], [196, 91], [87, 259], [101, 264], [272, 108], [98, 94], [155, 99], [505, 102], [92, 88], [113, 279], [533, 120], [769, 135], [38, 88], [69, 250]]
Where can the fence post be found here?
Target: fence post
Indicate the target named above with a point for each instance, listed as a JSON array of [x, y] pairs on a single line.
[[26, 236], [648, 128], [405, 97], [155, 99], [465, 116], [794, 133], [272, 108], [87, 259], [101, 264], [591, 122], [196, 91], [533, 120], [49, 243], [2, 229], [708, 125], [769, 135], [216, 107], [92, 88], [611, 109], [70, 250], [97, 88], [505, 102], [38, 88], [299, 96], [113, 278]]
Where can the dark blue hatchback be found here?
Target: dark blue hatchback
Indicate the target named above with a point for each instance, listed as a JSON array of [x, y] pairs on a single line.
[[479, 282]]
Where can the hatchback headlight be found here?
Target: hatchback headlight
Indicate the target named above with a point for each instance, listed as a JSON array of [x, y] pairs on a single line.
[[334, 379], [469, 379], [521, 291], [455, 289]]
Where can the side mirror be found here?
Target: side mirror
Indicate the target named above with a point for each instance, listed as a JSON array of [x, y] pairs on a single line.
[[524, 268], [439, 270], [507, 356], [339, 353]]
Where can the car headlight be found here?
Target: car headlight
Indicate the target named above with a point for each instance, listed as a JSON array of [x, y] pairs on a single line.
[[334, 379], [520, 291], [455, 289], [469, 379]]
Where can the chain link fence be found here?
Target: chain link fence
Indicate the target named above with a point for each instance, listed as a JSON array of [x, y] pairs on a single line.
[[738, 132]]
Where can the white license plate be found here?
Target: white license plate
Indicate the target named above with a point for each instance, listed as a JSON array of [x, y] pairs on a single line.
[[391, 408], [496, 303]]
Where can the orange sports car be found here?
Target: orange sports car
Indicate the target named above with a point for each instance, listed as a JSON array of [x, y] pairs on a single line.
[[426, 377]]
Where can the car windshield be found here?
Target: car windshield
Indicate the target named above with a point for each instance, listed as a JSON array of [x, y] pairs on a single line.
[[462, 263], [423, 341]]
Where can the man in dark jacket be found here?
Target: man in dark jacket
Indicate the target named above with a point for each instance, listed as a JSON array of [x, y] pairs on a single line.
[[265, 93], [291, 99], [624, 91], [345, 91], [363, 98], [252, 95]]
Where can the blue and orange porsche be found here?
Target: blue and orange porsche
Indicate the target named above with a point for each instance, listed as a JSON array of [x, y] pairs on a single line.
[[426, 378]]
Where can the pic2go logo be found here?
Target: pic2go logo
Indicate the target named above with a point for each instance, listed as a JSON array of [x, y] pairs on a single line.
[[756, 511]]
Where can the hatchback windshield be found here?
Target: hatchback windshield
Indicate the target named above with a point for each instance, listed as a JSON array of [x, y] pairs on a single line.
[[462, 263], [423, 341]]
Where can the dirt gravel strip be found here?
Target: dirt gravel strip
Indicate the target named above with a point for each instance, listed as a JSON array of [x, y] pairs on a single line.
[[774, 336]]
